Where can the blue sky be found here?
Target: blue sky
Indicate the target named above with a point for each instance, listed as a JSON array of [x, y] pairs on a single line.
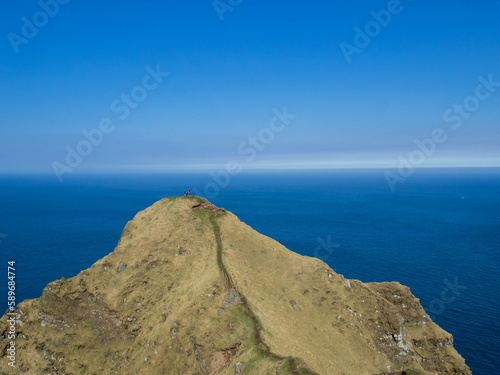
[[231, 69]]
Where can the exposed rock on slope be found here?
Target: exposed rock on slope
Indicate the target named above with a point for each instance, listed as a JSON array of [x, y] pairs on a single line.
[[190, 289]]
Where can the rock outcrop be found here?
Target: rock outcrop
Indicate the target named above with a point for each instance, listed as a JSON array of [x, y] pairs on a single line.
[[190, 289]]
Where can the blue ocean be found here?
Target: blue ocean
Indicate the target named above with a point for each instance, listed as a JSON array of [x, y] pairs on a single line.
[[438, 232]]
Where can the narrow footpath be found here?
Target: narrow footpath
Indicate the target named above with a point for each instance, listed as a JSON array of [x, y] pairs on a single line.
[[264, 349]]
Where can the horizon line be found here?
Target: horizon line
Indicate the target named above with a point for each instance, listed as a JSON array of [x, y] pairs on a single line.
[[216, 169]]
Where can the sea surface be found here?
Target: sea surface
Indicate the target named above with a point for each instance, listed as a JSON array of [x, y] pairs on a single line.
[[438, 232]]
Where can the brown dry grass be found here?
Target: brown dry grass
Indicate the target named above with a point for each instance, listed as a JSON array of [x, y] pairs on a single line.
[[150, 318]]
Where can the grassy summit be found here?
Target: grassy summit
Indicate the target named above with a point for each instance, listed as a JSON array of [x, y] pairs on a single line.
[[190, 289]]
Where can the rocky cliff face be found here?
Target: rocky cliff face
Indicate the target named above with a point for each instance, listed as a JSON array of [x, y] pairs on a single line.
[[190, 289]]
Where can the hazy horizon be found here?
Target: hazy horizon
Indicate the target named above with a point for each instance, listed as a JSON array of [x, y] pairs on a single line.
[[156, 87]]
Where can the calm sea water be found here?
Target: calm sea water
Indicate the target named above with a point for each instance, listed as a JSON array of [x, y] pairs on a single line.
[[439, 228]]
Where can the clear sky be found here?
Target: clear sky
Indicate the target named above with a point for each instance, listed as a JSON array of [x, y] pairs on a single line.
[[358, 88]]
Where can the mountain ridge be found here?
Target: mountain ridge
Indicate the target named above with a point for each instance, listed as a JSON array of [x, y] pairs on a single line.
[[191, 289]]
